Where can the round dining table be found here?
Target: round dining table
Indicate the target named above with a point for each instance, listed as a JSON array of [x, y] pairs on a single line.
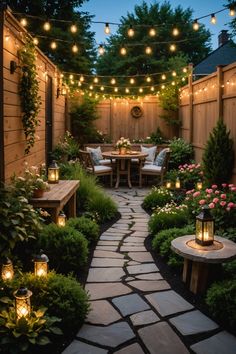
[[123, 163]]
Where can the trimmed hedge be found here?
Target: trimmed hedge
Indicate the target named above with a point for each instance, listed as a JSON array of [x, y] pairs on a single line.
[[86, 226]]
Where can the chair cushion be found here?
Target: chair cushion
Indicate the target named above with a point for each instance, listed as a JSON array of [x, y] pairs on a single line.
[[101, 169], [150, 151], [105, 162], [151, 168], [96, 154], [159, 160]]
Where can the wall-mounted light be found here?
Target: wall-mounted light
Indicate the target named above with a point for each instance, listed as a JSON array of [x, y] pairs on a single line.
[[13, 66]]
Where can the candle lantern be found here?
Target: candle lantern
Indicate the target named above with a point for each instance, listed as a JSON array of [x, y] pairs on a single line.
[[61, 219], [204, 228], [168, 184], [53, 172], [177, 183], [199, 185], [41, 264], [7, 269], [22, 302]]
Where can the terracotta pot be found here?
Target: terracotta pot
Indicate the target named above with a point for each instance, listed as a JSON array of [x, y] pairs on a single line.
[[122, 151], [38, 193]]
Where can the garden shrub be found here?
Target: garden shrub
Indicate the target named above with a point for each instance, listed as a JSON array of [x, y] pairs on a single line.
[[67, 148], [90, 196], [218, 157], [86, 226], [221, 300], [181, 153], [66, 248], [157, 197], [171, 215], [189, 175], [162, 243], [62, 295]]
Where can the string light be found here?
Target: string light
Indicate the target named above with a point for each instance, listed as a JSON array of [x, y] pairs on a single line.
[[172, 47], [152, 32], [81, 79], [185, 70], [95, 80], [116, 89], [123, 51], [23, 22], [102, 88], [7, 35], [152, 88], [231, 11], [53, 45], [113, 81], [141, 90], [148, 50], [127, 90], [101, 49], [35, 41], [91, 87], [175, 32], [107, 29], [195, 25], [71, 77], [148, 79], [213, 19], [75, 48], [132, 81], [47, 26], [162, 87], [163, 77], [73, 28], [173, 83], [130, 31], [174, 73]]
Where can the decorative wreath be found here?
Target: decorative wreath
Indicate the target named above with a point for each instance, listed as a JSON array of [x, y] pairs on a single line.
[[136, 112]]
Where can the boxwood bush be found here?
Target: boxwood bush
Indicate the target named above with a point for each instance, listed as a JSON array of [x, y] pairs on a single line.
[[66, 248], [181, 152], [157, 197], [86, 226]]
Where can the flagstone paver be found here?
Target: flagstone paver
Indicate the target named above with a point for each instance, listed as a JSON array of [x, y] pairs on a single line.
[[124, 317]]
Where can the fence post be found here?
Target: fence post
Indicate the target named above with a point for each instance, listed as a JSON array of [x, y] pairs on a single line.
[[190, 90], [2, 157], [219, 93]]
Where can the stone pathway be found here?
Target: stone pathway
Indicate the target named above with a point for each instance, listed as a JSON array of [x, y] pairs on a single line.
[[134, 310]]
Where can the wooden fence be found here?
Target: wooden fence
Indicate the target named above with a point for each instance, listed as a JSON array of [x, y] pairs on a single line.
[[202, 102], [12, 140], [116, 120]]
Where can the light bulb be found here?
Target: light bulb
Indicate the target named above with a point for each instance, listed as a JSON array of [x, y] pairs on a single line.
[[101, 49], [90, 94], [116, 89], [140, 90], [127, 90], [123, 51], [148, 50], [107, 29], [95, 80], [71, 77], [35, 41], [172, 47], [73, 28], [152, 32], [163, 77], [91, 87], [53, 45], [174, 73], [183, 79], [213, 19], [152, 88], [61, 76], [232, 11], [175, 32], [113, 81], [173, 83], [132, 81], [185, 70], [23, 22], [162, 87], [102, 88], [195, 25], [130, 31], [148, 79], [81, 79], [75, 48], [47, 26]]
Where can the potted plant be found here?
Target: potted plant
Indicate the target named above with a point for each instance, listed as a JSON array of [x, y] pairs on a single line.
[[123, 144]]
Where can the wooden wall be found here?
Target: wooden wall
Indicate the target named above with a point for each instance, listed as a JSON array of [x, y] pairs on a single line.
[[14, 140], [203, 102], [116, 119]]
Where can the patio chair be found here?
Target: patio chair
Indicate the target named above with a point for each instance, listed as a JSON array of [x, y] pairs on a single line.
[[97, 170], [154, 169]]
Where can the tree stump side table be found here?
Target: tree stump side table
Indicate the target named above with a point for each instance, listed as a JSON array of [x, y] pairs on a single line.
[[197, 259]]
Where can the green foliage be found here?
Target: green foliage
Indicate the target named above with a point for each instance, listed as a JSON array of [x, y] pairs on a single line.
[[24, 334], [66, 148], [19, 221], [218, 157], [63, 296], [162, 243], [90, 196], [66, 248], [166, 217], [221, 300], [156, 137], [82, 117], [189, 175], [82, 61], [181, 153], [157, 197], [29, 93], [86, 226]]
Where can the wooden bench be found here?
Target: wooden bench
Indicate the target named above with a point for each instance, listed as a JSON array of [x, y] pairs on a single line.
[[57, 197]]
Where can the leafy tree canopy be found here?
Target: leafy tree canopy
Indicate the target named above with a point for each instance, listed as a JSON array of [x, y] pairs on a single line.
[[67, 10]]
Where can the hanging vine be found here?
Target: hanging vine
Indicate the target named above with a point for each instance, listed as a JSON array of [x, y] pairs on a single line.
[[28, 90]]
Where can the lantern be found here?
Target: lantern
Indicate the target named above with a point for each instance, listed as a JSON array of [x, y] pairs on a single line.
[[199, 185], [204, 228], [61, 220], [41, 264], [168, 184], [177, 183], [22, 302], [53, 172], [7, 269]]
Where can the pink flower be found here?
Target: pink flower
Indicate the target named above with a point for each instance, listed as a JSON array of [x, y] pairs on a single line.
[[211, 205], [208, 190], [214, 186], [233, 189], [231, 185], [189, 192], [202, 201], [217, 192], [222, 203], [230, 205], [191, 170], [208, 196], [228, 209], [215, 200], [224, 185], [180, 166], [196, 194], [223, 196], [201, 173]]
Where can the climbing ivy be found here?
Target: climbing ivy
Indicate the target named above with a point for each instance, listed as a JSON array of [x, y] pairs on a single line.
[[28, 90]]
